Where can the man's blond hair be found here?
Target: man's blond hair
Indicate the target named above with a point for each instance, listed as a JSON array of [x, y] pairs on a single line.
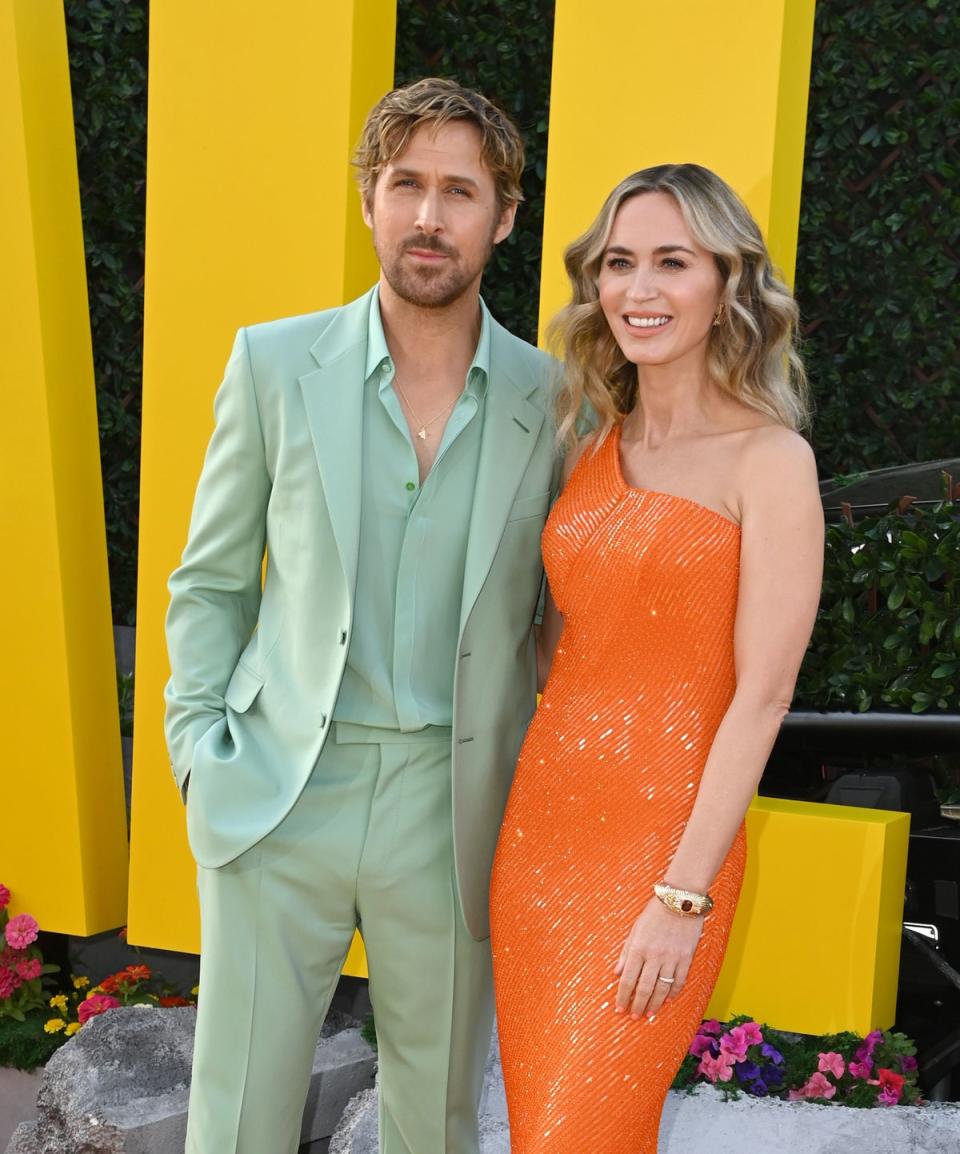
[[437, 101]]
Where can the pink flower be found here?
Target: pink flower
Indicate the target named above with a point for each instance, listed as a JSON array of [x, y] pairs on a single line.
[[716, 1069], [700, 1044], [29, 969], [888, 1097], [4, 897], [95, 1004], [817, 1086], [734, 1043], [9, 981], [831, 1063], [710, 1026], [21, 931], [861, 1069], [751, 1031]]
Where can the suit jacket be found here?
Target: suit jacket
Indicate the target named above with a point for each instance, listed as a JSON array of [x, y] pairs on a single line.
[[256, 665]]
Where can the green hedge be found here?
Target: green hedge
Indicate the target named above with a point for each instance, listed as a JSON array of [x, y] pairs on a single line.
[[880, 233], [878, 239], [888, 632], [504, 49], [107, 42]]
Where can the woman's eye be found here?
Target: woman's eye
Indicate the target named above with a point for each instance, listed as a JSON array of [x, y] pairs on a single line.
[[672, 262], [617, 262]]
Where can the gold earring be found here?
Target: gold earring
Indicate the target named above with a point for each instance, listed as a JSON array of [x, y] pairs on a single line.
[[718, 317]]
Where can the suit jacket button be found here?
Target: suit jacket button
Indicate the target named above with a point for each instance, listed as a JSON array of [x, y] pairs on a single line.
[[323, 720]]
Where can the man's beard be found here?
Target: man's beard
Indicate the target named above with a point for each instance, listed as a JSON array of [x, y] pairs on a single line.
[[425, 287]]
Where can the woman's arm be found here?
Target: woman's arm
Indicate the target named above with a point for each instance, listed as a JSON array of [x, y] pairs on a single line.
[[781, 564]]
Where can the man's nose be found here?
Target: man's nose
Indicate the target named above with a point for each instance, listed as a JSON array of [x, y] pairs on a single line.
[[429, 217]]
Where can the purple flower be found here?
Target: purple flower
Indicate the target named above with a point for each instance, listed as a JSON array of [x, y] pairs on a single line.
[[710, 1026], [908, 1064], [861, 1069], [758, 1088], [772, 1053], [746, 1071], [773, 1075], [701, 1044]]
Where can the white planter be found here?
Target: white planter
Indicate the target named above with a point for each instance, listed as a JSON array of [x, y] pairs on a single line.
[[18, 1099], [703, 1123]]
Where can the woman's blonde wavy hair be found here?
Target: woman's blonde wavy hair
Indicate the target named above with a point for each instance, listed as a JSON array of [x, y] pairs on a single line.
[[752, 352]]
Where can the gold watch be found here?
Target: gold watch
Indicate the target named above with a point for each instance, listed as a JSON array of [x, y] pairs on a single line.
[[686, 903]]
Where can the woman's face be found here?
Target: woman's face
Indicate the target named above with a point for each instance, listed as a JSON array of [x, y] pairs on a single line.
[[659, 289]]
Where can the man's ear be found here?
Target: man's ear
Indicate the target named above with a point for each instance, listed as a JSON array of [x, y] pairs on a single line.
[[366, 207], [505, 225]]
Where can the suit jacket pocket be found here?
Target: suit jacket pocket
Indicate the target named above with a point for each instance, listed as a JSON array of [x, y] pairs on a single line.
[[242, 689], [535, 506]]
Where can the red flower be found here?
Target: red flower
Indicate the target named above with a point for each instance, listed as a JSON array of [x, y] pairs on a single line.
[[110, 984], [173, 1000], [9, 982], [95, 1004], [29, 969], [891, 1081], [4, 897], [138, 973]]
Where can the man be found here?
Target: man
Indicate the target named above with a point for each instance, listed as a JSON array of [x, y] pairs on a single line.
[[346, 737]]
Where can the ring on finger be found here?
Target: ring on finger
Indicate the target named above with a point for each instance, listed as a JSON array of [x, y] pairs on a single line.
[[667, 981]]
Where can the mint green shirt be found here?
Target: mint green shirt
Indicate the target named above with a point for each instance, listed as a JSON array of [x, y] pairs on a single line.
[[413, 545]]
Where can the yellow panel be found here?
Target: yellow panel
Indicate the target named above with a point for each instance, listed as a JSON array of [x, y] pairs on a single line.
[[252, 213], [815, 945], [723, 85], [64, 842]]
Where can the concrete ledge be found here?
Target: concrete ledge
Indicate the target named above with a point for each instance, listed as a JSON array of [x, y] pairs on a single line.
[[703, 1123], [121, 1085]]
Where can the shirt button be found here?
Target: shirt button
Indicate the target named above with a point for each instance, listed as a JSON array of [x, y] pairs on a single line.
[[411, 485]]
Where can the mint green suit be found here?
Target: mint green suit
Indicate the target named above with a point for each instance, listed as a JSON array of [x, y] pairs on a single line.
[[304, 827]]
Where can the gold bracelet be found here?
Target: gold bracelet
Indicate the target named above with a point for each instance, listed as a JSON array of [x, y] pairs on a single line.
[[686, 903]]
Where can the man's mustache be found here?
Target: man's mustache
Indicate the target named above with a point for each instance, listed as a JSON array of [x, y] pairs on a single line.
[[428, 244]]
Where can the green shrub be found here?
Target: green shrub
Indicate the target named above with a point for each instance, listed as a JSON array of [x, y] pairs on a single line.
[[107, 42], [888, 631], [877, 264], [504, 48]]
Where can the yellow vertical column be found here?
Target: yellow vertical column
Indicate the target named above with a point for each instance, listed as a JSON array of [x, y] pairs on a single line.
[[63, 840], [722, 85], [252, 213]]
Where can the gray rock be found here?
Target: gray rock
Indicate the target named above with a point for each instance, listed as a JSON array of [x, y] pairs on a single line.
[[121, 1086]]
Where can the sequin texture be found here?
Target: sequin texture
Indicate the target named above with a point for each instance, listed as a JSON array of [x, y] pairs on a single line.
[[642, 676]]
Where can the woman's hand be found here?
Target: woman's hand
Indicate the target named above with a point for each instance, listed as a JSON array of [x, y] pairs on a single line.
[[660, 945]]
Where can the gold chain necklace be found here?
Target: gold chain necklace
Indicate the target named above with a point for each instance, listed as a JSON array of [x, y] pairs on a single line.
[[423, 425]]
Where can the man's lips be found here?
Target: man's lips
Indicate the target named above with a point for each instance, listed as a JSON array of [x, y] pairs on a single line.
[[429, 255]]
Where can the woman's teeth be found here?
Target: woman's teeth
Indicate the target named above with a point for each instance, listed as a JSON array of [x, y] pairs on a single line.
[[646, 322]]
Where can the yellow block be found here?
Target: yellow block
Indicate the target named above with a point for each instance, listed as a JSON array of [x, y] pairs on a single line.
[[252, 213], [815, 945], [722, 85], [63, 843]]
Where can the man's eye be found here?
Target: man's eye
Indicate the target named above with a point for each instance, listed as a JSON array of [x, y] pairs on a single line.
[[460, 191]]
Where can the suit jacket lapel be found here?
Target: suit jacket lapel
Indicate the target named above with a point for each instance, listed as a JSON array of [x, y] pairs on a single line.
[[333, 400], [511, 426]]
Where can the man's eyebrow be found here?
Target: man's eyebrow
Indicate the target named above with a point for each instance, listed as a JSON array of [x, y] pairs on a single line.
[[451, 179]]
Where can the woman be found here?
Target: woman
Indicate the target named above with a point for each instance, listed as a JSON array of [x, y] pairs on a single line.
[[684, 559]]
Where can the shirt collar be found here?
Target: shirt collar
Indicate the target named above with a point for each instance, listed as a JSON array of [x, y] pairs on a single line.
[[378, 355]]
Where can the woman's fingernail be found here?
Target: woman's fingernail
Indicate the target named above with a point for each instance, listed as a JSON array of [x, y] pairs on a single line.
[[618, 1010]]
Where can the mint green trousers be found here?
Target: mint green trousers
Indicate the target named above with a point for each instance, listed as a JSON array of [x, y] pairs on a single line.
[[369, 843]]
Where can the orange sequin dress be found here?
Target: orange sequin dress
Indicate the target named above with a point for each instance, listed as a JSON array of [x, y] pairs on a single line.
[[642, 676]]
